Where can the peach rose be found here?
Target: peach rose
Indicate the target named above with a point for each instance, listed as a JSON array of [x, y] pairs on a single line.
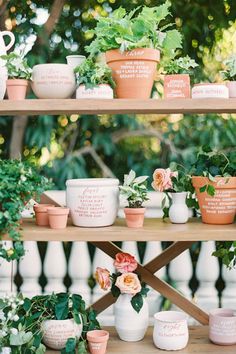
[[102, 276], [162, 179], [125, 263], [128, 283]]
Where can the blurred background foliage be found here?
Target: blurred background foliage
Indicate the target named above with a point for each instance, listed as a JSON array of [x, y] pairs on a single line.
[[81, 146]]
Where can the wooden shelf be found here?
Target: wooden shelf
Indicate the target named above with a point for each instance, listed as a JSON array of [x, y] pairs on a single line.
[[116, 106], [198, 343], [153, 230]]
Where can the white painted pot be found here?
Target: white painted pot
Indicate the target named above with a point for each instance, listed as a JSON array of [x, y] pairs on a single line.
[[101, 91], [130, 325], [232, 88], [170, 330], [57, 332], [210, 91], [93, 202], [75, 60], [178, 212], [53, 81]]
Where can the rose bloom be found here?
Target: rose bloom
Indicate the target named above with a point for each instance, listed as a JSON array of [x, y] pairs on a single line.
[[102, 276], [128, 283], [162, 179], [125, 263]]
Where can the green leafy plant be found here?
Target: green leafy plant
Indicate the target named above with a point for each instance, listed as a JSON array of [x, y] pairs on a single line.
[[182, 65], [17, 66], [21, 321], [92, 74], [134, 189], [19, 182], [212, 163], [140, 28], [230, 72]]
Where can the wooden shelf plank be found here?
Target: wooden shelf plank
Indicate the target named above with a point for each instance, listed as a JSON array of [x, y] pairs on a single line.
[[198, 343], [153, 230], [116, 106]]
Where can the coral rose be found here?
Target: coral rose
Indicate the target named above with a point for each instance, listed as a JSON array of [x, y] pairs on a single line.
[[128, 283], [102, 276], [125, 263], [162, 179]]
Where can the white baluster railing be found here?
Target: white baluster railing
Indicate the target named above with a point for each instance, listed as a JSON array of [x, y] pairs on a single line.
[[229, 293], [7, 274]]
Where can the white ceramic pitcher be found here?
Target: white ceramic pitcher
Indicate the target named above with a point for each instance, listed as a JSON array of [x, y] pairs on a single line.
[[3, 51]]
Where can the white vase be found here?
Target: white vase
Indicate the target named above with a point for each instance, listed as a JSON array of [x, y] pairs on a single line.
[[3, 51], [75, 60], [130, 325], [178, 212]]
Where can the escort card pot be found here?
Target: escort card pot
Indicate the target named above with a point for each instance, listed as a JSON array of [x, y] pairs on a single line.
[[3, 51], [93, 202]]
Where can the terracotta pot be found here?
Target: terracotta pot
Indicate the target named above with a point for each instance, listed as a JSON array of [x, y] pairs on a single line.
[[133, 71], [134, 217], [221, 208], [177, 86], [222, 326], [16, 89], [41, 214], [232, 88], [97, 341], [58, 217], [101, 91]]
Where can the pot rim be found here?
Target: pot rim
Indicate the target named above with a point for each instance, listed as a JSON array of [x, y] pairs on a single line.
[[50, 65], [75, 56], [57, 210], [97, 336], [57, 321], [17, 82], [158, 316], [92, 182], [210, 84], [138, 211], [221, 313], [229, 182], [122, 56]]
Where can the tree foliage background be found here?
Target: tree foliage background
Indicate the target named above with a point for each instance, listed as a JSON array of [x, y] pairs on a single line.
[[80, 146]]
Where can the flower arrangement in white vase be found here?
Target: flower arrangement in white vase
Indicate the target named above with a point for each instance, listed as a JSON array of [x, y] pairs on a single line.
[[178, 191], [134, 190], [131, 308], [229, 74], [19, 73]]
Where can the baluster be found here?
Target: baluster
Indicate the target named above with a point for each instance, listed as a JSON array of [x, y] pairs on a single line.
[[6, 271], [79, 269], [30, 268], [55, 267], [228, 295], [207, 272], [131, 247]]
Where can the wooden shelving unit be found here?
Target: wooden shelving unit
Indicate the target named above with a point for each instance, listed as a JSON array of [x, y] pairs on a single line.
[[117, 106]]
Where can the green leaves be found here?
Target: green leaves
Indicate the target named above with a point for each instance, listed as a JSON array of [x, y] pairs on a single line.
[[134, 189], [62, 306], [17, 66], [137, 302], [182, 65]]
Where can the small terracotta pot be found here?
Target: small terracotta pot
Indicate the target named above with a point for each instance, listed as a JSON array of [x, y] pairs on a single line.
[[232, 88], [134, 217], [58, 217], [41, 214], [97, 341], [16, 89], [222, 326], [133, 71], [177, 86], [221, 208]]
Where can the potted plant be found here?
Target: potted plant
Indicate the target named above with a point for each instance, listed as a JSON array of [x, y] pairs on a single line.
[[134, 190], [131, 308], [229, 74], [178, 192], [58, 320], [18, 75], [20, 181], [132, 43], [94, 80], [177, 77], [214, 180]]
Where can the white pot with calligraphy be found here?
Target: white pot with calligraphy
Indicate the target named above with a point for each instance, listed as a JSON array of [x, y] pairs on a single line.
[[53, 81], [57, 332], [93, 202], [222, 326], [100, 91], [170, 330], [130, 325], [178, 212]]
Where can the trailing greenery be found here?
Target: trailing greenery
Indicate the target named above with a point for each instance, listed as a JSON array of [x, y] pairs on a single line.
[[134, 189], [139, 28], [21, 321], [230, 72], [19, 182], [17, 66], [92, 74], [182, 65]]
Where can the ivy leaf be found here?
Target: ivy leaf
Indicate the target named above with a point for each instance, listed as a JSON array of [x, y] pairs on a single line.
[[62, 307], [137, 302], [70, 345], [210, 190], [82, 347]]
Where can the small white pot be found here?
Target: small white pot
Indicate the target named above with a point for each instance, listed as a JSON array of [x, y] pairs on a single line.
[[93, 202], [101, 91], [178, 212], [170, 330], [232, 88], [57, 332], [53, 81], [75, 60], [130, 325], [210, 91]]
